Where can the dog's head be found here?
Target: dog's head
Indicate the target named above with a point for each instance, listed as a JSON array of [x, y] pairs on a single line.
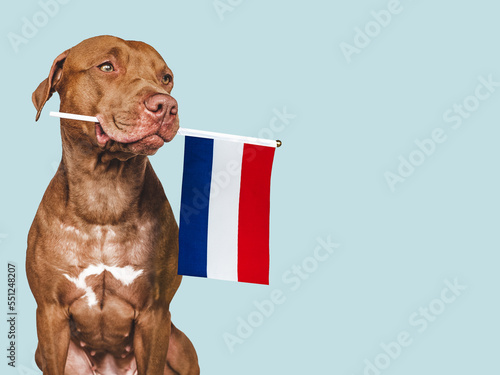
[[125, 84]]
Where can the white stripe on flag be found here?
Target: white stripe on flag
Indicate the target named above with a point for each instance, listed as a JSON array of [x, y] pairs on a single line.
[[222, 247]]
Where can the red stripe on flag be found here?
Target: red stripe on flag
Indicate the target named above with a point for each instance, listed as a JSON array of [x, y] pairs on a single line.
[[253, 224]]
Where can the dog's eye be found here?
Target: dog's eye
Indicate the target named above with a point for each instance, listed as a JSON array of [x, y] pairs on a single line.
[[106, 67], [166, 79]]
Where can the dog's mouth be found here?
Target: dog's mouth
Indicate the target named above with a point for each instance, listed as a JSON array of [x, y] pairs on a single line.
[[135, 142]]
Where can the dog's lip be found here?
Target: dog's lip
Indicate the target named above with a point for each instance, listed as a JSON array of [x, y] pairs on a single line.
[[109, 130], [154, 139], [101, 136]]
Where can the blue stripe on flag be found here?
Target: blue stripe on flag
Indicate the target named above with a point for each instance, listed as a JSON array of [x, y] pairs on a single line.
[[193, 222]]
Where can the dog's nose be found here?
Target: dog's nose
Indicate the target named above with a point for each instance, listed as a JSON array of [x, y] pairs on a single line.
[[161, 106]]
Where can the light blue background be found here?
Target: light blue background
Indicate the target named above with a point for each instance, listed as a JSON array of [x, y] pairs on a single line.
[[353, 121]]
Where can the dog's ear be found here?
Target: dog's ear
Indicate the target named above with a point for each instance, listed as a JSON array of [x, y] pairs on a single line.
[[45, 89]]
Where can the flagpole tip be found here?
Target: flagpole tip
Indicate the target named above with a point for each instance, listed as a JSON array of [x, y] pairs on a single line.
[[278, 143]]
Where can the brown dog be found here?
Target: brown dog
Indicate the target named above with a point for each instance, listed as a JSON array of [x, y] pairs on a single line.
[[102, 250]]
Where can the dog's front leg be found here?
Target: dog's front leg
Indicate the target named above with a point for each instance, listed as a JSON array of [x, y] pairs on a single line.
[[151, 337], [53, 338]]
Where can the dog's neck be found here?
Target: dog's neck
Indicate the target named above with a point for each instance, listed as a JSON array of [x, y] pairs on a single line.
[[102, 187]]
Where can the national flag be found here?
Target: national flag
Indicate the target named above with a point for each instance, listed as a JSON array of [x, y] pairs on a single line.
[[224, 219]]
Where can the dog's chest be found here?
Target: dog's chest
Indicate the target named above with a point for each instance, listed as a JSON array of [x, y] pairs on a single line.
[[97, 281], [109, 244], [105, 261]]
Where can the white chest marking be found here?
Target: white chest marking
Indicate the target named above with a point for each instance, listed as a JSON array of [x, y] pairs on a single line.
[[126, 275]]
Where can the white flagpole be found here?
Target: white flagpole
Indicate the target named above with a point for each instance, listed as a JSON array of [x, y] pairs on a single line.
[[188, 132]]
